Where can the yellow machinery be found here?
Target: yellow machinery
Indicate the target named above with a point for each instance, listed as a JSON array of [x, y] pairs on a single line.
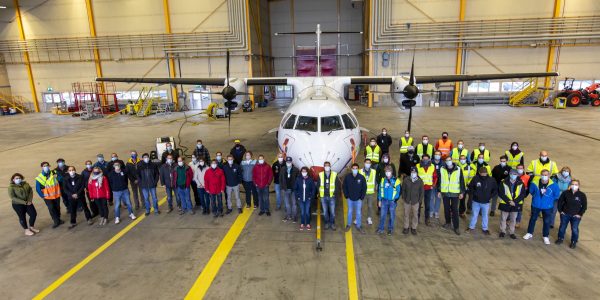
[[560, 103], [519, 98]]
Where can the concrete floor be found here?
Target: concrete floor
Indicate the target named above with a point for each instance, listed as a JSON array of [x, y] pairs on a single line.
[[162, 256]]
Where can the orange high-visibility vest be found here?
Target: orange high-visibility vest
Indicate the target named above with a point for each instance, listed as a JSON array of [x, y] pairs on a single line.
[[444, 147]]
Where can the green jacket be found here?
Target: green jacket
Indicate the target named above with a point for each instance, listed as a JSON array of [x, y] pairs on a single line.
[[20, 194]]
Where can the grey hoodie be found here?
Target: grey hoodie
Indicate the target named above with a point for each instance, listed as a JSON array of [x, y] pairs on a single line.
[[247, 167]]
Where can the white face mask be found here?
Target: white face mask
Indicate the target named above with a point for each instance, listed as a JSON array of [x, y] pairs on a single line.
[[515, 147], [544, 158], [18, 181], [194, 160], [520, 171], [146, 159], [354, 172], [388, 174], [327, 169], [372, 143], [413, 175], [503, 164], [289, 165], [460, 146], [199, 146], [304, 174], [480, 160], [280, 159], [575, 188], [384, 132], [169, 148], [481, 148], [100, 159], [544, 177], [214, 166], [46, 169], [449, 163], [169, 161], [180, 163], [248, 157], [261, 161], [230, 161], [114, 158], [219, 157], [72, 173], [385, 160], [565, 173], [425, 142], [89, 167], [437, 157], [406, 135], [463, 161], [367, 166], [201, 163]]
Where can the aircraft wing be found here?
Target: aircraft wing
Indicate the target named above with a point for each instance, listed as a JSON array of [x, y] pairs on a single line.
[[186, 81], [476, 77]]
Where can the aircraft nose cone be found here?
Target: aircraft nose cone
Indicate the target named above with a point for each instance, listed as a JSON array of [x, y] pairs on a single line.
[[411, 91]]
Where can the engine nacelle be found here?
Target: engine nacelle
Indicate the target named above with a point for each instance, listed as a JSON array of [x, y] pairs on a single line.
[[397, 87]]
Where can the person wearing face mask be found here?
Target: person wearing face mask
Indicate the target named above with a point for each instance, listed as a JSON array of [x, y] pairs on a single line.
[[262, 175], [468, 174], [238, 152], [148, 176], [201, 151], [476, 165], [247, 166], [371, 178], [543, 163], [544, 192], [483, 188], [48, 188], [412, 195], [444, 145], [514, 156], [199, 173], [384, 141], [452, 187], [99, 193], [355, 189], [169, 151], [166, 180], [406, 141], [385, 162], [74, 186], [233, 178], [220, 160], [287, 181], [214, 183], [408, 161], [428, 174], [563, 179], [61, 174], [118, 180], [572, 204], [499, 172], [131, 168], [182, 181], [194, 187], [114, 158], [459, 151], [512, 193], [483, 151], [424, 147], [21, 196], [277, 166], [526, 179], [373, 151], [87, 171], [305, 191], [326, 187], [101, 163], [387, 198]]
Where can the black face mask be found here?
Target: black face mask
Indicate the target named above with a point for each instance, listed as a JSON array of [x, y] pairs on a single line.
[[96, 173]]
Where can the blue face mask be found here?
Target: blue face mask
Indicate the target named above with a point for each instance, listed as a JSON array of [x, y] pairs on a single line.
[[354, 172], [46, 169], [61, 164], [513, 177]]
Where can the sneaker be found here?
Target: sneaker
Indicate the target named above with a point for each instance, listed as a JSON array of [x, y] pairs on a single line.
[[181, 212], [294, 220], [268, 214], [348, 228], [559, 241], [229, 211], [369, 221], [513, 236], [427, 223], [327, 226], [261, 213], [222, 215], [90, 222], [518, 225], [72, 225], [301, 227], [447, 226], [333, 227], [285, 219], [34, 230], [527, 236], [157, 212], [573, 245], [492, 213], [255, 206], [546, 240], [192, 212], [132, 216], [239, 210], [216, 215], [29, 232], [413, 231], [468, 230], [147, 213], [117, 220], [462, 216], [501, 235], [170, 209], [308, 227], [405, 231], [379, 231], [361, 230], [354, 222], [247, 205], [486, 232], [389, 232], [456, 231]]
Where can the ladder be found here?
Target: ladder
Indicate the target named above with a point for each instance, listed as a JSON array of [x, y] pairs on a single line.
[[519, 98], [16, 102], [146, 107]]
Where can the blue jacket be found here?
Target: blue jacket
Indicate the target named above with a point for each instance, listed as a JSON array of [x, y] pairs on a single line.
[[388, 189], [247, 167], [301, 193], [233, 174], [545, 201], [355, 188]]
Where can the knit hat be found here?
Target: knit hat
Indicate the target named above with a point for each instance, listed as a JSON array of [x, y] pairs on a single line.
[[288, 159]]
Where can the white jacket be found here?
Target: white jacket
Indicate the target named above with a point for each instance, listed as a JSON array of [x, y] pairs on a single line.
[[198, 174]]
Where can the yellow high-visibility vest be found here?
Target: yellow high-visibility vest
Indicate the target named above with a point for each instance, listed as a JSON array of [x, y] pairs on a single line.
[[373, 153], [405, 144], [450, 183], [370, 180], [456, 154], [426, 176], [486, 155], [536, 167], [420, 152], [331, 183], [468, 173], [513, 161], [510, 196], [50, 186]]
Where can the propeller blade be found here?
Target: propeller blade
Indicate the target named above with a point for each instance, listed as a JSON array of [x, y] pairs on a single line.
[[211, 93], [229, 120], [411, 80], [227, 65], [244, 93]]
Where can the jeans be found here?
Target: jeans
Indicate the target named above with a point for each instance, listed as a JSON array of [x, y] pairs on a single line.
[[451, 210], [263, 198], [291, 210], [251, 192], [304, 212], [427, 197], [564, 221], [328, 205], [387, 206], [80, 201], [54, 209], [136, 190], [484, 207], [184, 197], [204, 199], [554, 211], [147, 192], [434, 204], [217, 203], [277, 197], [546, 214], [117, 197], [22, 210], [355, 206], [194, 188], [235, 190], [170, 191]]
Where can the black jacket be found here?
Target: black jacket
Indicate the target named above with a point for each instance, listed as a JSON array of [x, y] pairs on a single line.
[[147, 175], [233, 174], [238, 152], [166, 174], [276, 167], [202, 153], [74, 185], [173, 153], [111, 164], [384, 142], [131, 168], [118, 181], [286, 183], [572, 203], [381, 171], [407, 162], [500, 173], [355, 187], [504, 204], [483, 189]]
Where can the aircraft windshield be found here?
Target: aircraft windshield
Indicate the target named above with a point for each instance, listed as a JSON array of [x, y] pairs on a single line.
[[307, 124], [289, 124], [331, 123], [348, 122]]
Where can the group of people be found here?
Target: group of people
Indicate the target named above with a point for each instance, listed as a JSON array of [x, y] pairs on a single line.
[[427, 176]]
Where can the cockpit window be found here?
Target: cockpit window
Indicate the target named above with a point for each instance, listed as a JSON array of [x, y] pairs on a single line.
[[289, 124], [348, 122], [307, 124], [331, 123]]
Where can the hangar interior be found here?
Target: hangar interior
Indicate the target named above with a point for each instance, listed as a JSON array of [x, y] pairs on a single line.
[[52, 51]]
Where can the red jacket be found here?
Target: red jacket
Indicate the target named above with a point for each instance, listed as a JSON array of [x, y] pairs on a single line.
[[99, 192], [214, 181], [262, 175], [189, 175]]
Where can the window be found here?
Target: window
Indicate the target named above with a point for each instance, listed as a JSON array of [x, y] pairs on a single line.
[[472, 87], [289, 123], [331, 123], [494, 87], [348, 122], [307, 124]]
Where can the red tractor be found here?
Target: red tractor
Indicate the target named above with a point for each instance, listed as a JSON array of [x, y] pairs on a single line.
[[585, 96]]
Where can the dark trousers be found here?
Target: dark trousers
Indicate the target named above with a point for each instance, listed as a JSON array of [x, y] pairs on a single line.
[[462, 207], [196, 198], [217, 203], [22, 210], [74, 203], [564, 222], [54, 209], [102, 207], [427, 201], [451, 210], [263, 196], [93, 205], [204, 200], [66, 202], [469, 202], [251, 193], [546, 215]]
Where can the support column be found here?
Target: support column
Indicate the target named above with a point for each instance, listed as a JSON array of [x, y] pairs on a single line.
[[551, 51], [368, 59], [34, 97], [249, 43], [459, 54], [98, 64], [172, 74]]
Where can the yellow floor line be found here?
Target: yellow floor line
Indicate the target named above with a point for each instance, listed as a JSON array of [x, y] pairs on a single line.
[[350, 263], [211, 269], [47, 291]]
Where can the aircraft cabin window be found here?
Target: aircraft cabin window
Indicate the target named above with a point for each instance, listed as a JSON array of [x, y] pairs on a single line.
[[289, 124], [348, 122], [331, 123], [307, 124]]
